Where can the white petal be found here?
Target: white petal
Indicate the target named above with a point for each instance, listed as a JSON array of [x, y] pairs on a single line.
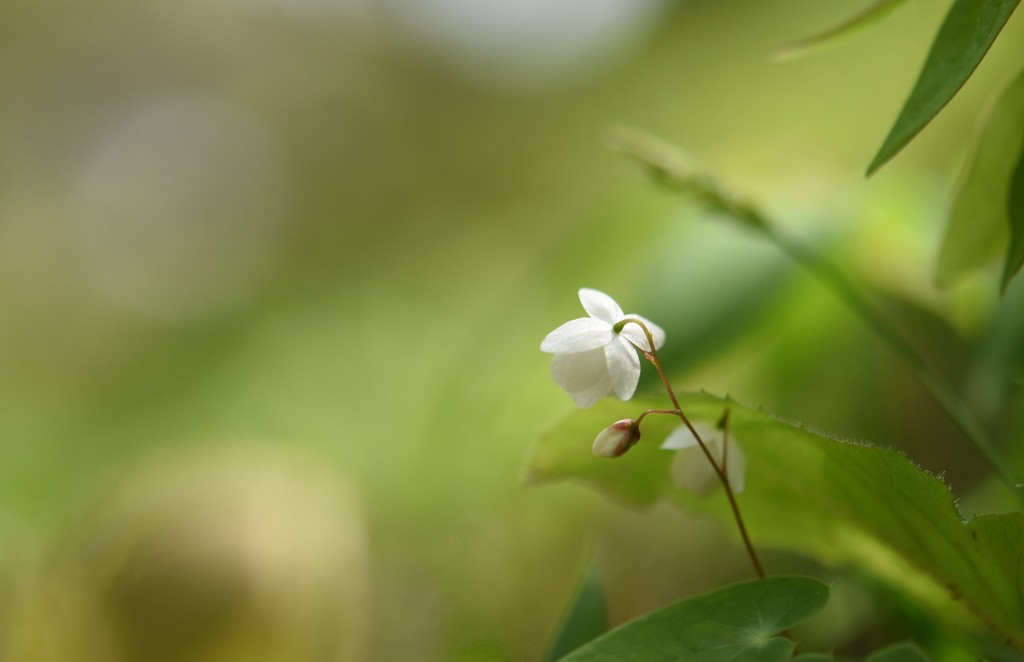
[[580, 371], [623, 367], [691, 471], [636, 335], [578, 335], [583, 375], [591, 396], [600, 306], [736, 468], [681, 437]]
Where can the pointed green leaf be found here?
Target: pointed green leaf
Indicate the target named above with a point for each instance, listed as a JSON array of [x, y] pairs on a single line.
[[585, 620], [904, 652], [1015, 206], [874, 12], [977, 232], [736, 623], [839, 501], [966, 34]]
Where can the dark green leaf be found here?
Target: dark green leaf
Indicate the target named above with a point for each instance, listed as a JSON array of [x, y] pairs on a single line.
[[735, 623], [839, 501], [905, 652], [977, 232], [875, 12], [586, 618], [966, 34], [1015, 205], [815, 657]]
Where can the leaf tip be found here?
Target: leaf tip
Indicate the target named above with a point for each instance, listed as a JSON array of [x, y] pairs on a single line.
[[881, 158]]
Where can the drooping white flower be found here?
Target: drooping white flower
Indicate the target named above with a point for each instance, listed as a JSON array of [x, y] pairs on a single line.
[[617, 438], [593, 359], [691, 469]]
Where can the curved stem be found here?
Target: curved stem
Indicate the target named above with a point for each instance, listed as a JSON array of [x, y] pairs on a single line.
[[724, 474], [652, 356], [644, 414]]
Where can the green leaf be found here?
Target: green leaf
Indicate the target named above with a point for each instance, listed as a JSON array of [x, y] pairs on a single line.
[[838, 501], [565, 453], [904, 652], [586, 618], [874, 13], [966, 34], [977, 231], [736, 623], [1015, 208], [815, 657]]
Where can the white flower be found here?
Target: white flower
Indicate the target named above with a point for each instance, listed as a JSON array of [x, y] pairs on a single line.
[[593, 359], [691, 469], [617, 438]]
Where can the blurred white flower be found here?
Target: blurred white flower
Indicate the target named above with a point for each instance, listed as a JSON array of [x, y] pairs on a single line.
[[524, 45], [182, 208], [617, 438], [592, 357], [691, 470]]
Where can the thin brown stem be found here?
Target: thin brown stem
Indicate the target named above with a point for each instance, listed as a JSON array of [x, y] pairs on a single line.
[[732, 497], [644, 414], [652, 356]]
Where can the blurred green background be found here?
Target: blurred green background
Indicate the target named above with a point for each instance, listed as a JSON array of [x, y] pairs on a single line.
[[274, 273]]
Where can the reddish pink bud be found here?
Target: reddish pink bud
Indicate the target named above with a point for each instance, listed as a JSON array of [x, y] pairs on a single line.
[[617, 438]]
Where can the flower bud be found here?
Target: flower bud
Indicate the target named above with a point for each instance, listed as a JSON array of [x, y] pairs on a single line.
[[617, 438]]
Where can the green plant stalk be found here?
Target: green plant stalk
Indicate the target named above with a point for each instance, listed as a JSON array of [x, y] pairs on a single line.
[[830, 275], [673, 171], [837, 282]]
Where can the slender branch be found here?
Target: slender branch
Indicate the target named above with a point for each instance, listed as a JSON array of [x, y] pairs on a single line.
[[652, 356], [732, 497]]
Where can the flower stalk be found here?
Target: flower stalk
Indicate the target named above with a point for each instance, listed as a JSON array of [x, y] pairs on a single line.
[[720, 470]]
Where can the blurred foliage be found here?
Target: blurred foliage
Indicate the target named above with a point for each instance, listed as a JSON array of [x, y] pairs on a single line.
[[338, 229], [585, 620], [979, 225], [873, 13], [840, 501]]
